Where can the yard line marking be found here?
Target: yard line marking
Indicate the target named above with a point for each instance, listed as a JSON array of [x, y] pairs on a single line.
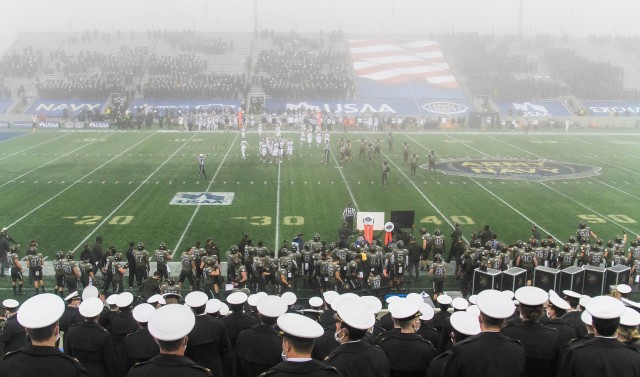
[[353, 199], [74, 183], [587, 208], [195, 212], [35, 146], [598, 159], [600, 147], [277, 240], [108, 217]]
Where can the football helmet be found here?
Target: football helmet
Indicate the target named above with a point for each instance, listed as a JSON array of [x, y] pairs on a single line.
[[118, 257], [59, 255], [400, 244], [436, 232], [572, 239], [610, 243], [437, 258], [162, 246], [316, 237], [600, 242], [582, 225], [69, 255], [140, 246]]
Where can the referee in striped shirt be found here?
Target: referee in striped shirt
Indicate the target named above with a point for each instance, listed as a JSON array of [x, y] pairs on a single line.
[[349, 215]]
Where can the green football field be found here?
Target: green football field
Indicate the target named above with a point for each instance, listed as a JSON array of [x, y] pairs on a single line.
[[64, 188]]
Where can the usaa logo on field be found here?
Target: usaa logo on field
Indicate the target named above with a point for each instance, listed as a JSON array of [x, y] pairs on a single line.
[[525, 170], [203, 198]]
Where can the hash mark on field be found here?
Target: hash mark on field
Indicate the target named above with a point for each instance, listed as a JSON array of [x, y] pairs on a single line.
[[117, 182], [23, 182], [157, 182], [184, 182], [305, 182], [103, 182], [89, 182], [36, 182], [130, 182], [251, 182], [438, 182], [49, 182], [237, 182]]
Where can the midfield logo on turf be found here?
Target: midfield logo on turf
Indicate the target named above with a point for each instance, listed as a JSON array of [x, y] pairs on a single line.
[[525, 170], [203, 198]]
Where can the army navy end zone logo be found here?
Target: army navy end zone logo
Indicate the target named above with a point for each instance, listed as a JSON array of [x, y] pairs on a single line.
[[524, 170], [203, 198]]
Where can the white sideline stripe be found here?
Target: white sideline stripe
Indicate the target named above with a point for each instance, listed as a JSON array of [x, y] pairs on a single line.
[[195, 212], [446, 219], [35, 146], [277, 240], [353, 200], [13, 138], [74, 183], [585, 207], [594, 179], [106, 218], [598, 159], [43, 165], [502, 200]]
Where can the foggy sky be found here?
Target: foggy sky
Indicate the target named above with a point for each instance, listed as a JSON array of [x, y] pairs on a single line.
[[573, 17]]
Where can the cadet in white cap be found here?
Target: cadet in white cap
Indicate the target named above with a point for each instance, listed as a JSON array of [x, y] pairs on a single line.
[[112, 308], [140, 346], [170, 326], [444, 301], [628, 330], [604, 352], [463, 325], [90, 291], [444, 342], [315, 303], [212, 307], [237, 319], [208, 340], [259, 348], [426, 330], [154, 300], [397, 345], [298, 335], [13, 335], [40, 357], [71, 314], [572, 316], [542, 344], [489, 353], [122, 324], [624, 290], [556, 308], [290, 299], [327, 318], [172, 298], [355, 357], [90, 343]]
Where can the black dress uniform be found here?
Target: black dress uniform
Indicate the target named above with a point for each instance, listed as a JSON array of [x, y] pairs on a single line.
[[573, 318], [600, 357], [567, 332], [408, 354], [312, 368], [488, 354], [31, 361], [327, 318], [91, 344], [359, 358], [386, 321], [542, 347], [140, 347], [325, 344], [13, 335], [122, 324], [437, 364], [236, 322], [438, 320], [429, 333], [258, 349], [70, 317], [165, 365], [208, 342]]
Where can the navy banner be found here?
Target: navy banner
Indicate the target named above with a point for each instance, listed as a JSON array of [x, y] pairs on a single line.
[[55, 107], [537, 108]]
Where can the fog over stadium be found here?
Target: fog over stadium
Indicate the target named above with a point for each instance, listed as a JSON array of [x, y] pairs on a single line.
[[572, 17]]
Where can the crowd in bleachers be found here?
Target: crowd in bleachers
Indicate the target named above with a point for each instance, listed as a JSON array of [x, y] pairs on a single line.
[[96, 86], [302, 73], [21, 64], [128, 61], [180, 64], [586, 78], [185, 85], [5, 93], [187, 40]]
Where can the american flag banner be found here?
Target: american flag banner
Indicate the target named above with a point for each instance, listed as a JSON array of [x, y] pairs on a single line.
[[393, 63]]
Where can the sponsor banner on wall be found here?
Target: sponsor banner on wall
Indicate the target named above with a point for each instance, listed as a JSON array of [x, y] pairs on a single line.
[[4, 124], [98, 125], [72, 125], [176, 104], [611, 108], [21, 124], [537, 108], [375, 106], [48, 125], [55, 107]]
